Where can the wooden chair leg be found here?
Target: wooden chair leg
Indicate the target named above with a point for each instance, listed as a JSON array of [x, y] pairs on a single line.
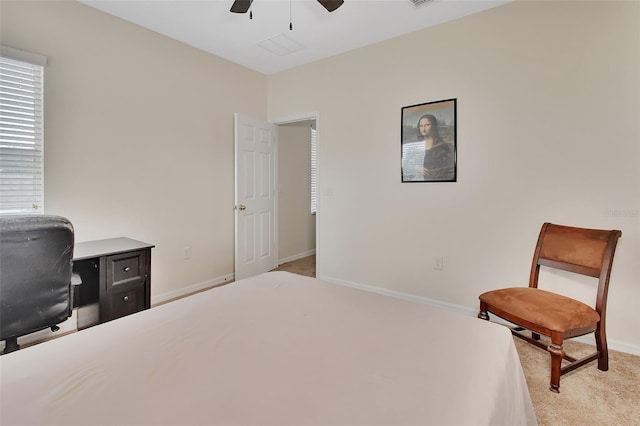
[[483, 312], [557, 354], [601, 345]]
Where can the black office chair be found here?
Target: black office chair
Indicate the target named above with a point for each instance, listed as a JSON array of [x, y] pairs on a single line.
[[36, 253]]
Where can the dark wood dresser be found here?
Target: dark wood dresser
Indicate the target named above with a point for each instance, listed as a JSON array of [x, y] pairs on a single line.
[[116, 279]]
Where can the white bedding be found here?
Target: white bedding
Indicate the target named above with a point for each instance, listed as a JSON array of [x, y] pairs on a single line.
[[275, 349]]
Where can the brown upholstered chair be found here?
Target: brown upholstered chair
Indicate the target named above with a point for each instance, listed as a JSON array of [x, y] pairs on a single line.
[[578, 250]]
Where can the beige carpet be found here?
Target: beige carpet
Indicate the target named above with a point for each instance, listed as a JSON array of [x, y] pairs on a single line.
[[587, 395], [305, 266]]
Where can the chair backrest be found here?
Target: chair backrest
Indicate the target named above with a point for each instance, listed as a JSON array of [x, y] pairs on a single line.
[[36, 253], [579, 250]]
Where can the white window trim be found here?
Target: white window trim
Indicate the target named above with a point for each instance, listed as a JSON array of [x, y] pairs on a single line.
[[23, 56]]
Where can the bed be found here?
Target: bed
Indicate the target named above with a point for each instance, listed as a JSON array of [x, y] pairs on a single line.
[[274, 349]]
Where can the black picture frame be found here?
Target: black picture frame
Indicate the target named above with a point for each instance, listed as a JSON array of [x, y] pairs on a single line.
[[429, 154]]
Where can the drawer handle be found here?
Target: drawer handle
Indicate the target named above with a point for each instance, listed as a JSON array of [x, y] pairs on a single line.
[[126, 298], [127, 268]]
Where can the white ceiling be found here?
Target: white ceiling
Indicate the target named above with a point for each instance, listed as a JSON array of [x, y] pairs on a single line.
[[208, 25]]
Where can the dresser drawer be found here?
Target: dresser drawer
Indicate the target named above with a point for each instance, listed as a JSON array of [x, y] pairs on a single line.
[[121, 303], [126, 270]]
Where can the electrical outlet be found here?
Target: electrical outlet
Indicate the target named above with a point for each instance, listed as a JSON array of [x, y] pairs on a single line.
[[438, 263], [187, 253]]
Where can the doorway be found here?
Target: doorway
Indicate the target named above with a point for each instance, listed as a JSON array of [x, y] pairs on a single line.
[[297, 201], [258, 190]]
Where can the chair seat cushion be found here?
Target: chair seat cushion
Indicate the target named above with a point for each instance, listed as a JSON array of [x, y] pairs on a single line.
[[550, 310]]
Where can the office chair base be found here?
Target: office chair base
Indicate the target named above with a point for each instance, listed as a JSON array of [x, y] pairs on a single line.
[[11, 345]]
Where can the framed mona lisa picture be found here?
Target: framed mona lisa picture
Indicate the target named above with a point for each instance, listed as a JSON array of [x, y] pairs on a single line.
[[428, 141]]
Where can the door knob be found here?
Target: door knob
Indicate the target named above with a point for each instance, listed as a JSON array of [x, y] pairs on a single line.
[[240, 207]]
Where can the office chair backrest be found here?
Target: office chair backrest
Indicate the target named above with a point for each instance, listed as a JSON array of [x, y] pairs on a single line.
[[36, 253]]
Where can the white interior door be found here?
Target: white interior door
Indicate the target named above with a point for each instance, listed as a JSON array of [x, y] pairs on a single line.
[[256, 242]]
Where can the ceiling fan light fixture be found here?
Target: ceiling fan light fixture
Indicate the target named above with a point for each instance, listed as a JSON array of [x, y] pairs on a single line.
[[240, 6], [331, 5]]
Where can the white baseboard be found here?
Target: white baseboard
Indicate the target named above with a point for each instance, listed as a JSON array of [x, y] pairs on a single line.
[[615, 345], [70, 324], [297, 256], [214, 282]]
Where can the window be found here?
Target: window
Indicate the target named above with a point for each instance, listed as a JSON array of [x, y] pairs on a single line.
[[21, 128], [314, 172]]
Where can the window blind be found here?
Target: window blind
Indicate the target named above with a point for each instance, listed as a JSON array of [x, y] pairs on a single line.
[[21, 135], [314, 172]]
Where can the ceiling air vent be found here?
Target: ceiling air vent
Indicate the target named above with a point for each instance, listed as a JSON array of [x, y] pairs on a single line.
[[421, 2]]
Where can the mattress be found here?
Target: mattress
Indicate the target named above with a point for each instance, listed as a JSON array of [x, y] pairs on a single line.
[[274, 349]]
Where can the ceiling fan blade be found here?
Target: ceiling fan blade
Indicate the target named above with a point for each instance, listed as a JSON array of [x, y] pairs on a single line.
[[241, 6], [330, 5]]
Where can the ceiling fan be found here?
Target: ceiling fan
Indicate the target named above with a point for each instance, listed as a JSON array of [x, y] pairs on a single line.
[[242, 6]]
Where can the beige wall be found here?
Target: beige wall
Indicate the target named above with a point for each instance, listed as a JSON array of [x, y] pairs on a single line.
[[138, 135], [548, 129], [296, 224], [139, 142]]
